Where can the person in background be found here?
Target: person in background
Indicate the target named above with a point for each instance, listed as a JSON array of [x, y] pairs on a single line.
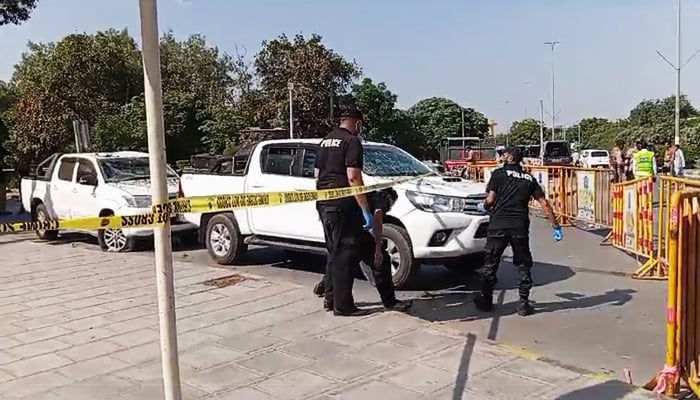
[[644, 161], [678, 164], [668, 159], [617, 162], [629, 160]]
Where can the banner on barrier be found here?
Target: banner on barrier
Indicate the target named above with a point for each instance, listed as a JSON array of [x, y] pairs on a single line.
[[629, 216], [586, 195], [487, 173], [542, 177]]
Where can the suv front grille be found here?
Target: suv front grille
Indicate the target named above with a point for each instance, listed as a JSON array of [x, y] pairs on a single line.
[[471, 203]]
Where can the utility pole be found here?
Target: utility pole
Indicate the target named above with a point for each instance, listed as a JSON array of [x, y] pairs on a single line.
[[552, 44], [508, 126], [579, 135], [527, 96], [159, 195], [462, 120], [290, 86], [541, 128]]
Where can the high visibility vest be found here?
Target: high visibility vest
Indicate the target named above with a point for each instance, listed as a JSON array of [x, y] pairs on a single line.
[[644, 163]]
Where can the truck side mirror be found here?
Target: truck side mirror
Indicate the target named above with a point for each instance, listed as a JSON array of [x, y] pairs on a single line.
[[89, 180]]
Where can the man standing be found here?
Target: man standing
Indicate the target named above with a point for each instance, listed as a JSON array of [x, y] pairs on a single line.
[[509, 192], [617, 162], [678, 163], [339, 165], [643, 161]]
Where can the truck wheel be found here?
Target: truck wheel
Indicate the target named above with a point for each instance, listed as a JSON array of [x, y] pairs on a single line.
[[40, 215], [465, 264], [224, 240], [403, 265], [114, 240]]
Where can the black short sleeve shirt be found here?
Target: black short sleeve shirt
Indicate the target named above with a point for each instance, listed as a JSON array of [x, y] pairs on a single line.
[[514, 188], [337, 152]]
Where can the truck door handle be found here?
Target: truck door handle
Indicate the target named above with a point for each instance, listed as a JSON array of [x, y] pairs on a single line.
[[256, 185]]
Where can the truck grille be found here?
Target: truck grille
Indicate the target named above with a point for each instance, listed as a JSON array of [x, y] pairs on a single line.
[[471, 202]]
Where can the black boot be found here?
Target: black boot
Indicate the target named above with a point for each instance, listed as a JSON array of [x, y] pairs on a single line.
[[320, 289], [484, 302], [525, 308], [398, 305], [328, 304]]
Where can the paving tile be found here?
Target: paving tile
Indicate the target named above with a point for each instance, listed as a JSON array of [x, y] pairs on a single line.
[[44, 311], [6, 358], [31, 385], [145, 372], [354, 336], [377, 390], [317, 348], [192, 339], [139, 354], [539, 370], [4, 377], [342, 367], [250, 342], [30, 366], [220, 378], [308, 325], [104, 387], [90, 368], [37, 348], [245, 393], [449, 394], [420, 378], [91, 350], [500, 384], [295, 385], [87, 336], [228, 328], [36, 335], [454, 359], [386, 353], [425, 340], [273, 362], [208, 356], [135, 338], [134, 324], [154, 390]]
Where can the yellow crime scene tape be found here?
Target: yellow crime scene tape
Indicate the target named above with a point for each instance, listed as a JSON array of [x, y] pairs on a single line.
[[161, 213]]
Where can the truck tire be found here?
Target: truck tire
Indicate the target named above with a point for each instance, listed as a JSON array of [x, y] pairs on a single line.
[[465, 264], [42, 214], [404, 267], [224, 240], [114, 240]]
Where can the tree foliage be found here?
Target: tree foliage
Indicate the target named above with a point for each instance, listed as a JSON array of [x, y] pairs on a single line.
[[437, 118], [526, 132], [15, 11]]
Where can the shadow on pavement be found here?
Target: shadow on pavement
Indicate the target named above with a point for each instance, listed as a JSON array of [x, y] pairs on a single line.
[[610, 390], [463, 370], [459, 306]]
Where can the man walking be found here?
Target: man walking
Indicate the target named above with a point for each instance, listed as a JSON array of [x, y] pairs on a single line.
[[678, 163], [509, 192], [339, 165]]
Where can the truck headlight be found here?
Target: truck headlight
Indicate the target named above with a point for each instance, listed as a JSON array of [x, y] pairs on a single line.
[[436, 203], [139, 201]]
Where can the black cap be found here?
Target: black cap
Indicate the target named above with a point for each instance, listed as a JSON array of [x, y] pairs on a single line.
[[353, 113], [515, 152]]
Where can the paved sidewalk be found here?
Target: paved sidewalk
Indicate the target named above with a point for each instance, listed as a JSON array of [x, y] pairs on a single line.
[[81, 324]]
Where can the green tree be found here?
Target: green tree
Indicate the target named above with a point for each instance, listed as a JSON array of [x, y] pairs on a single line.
[[15, 11], [526, 132], [437, 118], [598, 133], [318, 74]]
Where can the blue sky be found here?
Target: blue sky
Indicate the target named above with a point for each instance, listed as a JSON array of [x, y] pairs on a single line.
[[480, 53]]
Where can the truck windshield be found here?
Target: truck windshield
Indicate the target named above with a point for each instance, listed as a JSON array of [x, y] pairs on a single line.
[[123, 169], [391, 161]]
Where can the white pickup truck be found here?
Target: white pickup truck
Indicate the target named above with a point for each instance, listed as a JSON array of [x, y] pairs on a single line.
[[70, 186], [435, 218]]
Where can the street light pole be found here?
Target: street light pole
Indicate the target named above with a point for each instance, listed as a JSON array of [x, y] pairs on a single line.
[[677, 136], [552, 44], [290, 86], [159, 195], [527, 96], [541, 128], [462, 120]]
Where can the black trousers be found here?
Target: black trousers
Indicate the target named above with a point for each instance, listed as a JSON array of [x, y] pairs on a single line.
[[496, 243], [347, 244]]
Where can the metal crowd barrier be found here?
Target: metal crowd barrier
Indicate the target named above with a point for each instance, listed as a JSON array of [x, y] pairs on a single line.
[[682, 322]]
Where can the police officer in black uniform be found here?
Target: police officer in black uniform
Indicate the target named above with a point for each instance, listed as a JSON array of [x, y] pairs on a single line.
[[339, 165], [509, 192], [372, 252]]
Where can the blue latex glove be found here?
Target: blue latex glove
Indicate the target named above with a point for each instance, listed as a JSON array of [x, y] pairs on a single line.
[[481, 207], [369, 219], [558, 234]]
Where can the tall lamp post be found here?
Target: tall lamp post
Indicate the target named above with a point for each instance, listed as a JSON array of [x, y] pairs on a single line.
[[552, 44], [290, 87]]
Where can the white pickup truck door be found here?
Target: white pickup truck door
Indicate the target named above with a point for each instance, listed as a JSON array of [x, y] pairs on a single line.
[[284, 168], [84, 201], [59, 194]]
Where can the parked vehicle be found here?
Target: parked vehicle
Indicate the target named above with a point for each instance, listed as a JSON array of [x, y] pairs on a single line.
[[96, 184], [595, 159], [557, 152], [435, 218]]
